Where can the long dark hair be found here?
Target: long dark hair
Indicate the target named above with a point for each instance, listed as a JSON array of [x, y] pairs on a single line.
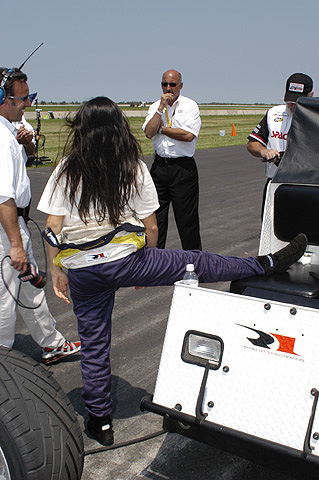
[[101, 157]]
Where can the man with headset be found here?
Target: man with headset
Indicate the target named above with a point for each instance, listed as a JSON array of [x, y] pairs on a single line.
[[15, 241]]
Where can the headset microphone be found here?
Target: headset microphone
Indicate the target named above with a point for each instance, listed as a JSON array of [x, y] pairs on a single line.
[[8, 72]]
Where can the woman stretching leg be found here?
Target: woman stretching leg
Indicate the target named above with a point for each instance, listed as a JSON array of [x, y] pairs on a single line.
[[101, 227]]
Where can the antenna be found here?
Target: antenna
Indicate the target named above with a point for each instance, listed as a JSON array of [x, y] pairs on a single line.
[[30, 56]]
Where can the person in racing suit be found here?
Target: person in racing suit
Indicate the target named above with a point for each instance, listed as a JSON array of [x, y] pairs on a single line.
[[269, 139]]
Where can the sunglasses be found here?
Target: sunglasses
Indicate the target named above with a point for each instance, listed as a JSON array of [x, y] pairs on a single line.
[[30, 97], [171, 84]]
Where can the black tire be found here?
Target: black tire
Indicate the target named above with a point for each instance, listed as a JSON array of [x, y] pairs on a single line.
[[40, 436]]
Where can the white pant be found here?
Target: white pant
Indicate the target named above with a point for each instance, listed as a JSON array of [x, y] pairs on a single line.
[[40, 322]]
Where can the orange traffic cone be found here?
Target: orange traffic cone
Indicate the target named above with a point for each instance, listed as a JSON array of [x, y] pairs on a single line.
[[233, 132]]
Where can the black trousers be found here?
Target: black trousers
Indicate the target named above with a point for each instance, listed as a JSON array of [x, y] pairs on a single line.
[[176, 182]]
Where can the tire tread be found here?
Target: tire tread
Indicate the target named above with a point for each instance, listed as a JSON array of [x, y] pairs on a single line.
[[40, 418]]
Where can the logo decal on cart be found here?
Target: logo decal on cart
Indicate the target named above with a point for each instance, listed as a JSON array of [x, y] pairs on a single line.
[[286, 344]]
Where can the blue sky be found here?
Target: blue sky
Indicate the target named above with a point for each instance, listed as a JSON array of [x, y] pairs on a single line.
[[227, 50]]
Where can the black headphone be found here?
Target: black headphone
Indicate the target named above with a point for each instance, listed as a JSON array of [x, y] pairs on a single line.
[[7, 73]]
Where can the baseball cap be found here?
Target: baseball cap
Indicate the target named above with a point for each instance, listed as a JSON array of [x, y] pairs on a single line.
[[298, 84]]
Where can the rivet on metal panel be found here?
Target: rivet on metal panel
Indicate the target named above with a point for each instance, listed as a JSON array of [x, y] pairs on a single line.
[[178, 407], [293, 311], [226, 369], [210, 404], [267, 306], [315, 436]]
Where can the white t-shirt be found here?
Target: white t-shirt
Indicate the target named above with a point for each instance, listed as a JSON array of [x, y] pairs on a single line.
[[14, 181], [141, 205], [184, 114]]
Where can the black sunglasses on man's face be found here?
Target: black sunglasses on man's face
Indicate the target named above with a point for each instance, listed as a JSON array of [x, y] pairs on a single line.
[[171, 84]]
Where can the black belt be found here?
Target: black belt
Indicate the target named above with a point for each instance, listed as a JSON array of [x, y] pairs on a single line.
[[171, 159], [24, 212], [50, 237], [21, 212]]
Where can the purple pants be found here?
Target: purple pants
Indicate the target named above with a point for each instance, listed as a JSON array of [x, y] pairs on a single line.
[[93, 291]]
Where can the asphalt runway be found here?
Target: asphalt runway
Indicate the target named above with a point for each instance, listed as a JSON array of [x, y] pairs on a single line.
[[231, 183]]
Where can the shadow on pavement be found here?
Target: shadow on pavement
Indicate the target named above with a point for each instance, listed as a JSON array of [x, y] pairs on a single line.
[[179, 458]]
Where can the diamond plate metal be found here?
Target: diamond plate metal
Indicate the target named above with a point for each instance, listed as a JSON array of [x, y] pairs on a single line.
[[267, 390]]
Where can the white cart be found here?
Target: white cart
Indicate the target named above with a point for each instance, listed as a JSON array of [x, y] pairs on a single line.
[[240, 370]]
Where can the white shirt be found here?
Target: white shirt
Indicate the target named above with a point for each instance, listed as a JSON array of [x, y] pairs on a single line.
[[74, 230], [23, 123], [184, 114], [272, 132], [14, 181], [27, 126]]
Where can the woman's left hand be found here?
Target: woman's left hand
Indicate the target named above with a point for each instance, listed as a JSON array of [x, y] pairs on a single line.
[[60, 284]]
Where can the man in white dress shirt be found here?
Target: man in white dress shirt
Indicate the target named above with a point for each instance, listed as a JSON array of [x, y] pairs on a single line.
[[15, 242], [173, 122]]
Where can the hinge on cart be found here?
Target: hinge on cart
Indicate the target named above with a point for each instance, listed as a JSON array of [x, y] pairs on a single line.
[[307, 448], [200, 416]]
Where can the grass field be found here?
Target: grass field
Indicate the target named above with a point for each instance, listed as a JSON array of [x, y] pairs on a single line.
[[215, 106], [56, 133]]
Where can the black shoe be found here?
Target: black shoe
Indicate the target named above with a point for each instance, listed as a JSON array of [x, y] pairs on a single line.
[[280, 261], [100, 428]]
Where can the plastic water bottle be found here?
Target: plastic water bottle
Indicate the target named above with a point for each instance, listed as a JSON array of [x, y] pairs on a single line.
[[190, 277]]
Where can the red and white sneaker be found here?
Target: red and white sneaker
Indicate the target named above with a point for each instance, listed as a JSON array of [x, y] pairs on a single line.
[[51, 355]]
